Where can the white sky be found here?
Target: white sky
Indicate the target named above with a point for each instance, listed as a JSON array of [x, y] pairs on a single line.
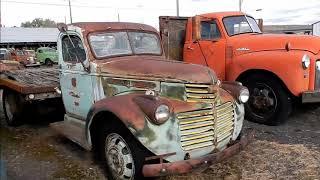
[[147, 11]]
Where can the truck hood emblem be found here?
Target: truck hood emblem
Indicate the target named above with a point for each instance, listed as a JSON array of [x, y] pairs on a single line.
[[243, 49]]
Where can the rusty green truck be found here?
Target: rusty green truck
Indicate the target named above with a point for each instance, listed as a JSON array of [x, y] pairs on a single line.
[[145, 115]]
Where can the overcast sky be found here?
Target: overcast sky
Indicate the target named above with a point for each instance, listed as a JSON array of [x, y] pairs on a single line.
[[147, 11]]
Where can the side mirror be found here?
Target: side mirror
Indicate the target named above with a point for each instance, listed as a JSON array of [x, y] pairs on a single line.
[[62, 27], [196, 28]]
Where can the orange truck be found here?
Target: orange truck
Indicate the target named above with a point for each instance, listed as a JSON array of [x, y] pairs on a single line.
[[278, 70]]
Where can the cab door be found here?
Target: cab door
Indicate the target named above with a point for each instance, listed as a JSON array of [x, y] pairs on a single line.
[[210, 49], [213, 47], [76, 82]]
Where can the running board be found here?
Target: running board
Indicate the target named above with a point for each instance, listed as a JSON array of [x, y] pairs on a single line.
[[73, 132]]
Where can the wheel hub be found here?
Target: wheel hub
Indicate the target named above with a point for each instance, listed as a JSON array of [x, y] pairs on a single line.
[[119, 157], [263, 101]]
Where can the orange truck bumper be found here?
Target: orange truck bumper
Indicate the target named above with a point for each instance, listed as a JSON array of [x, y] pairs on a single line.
[[311, 97], [181, 167]]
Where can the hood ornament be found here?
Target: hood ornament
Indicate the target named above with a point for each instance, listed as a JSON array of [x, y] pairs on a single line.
[[243, 49]]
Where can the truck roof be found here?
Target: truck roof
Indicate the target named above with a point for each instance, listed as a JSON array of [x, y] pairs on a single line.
[[102, 26], [220, 15]]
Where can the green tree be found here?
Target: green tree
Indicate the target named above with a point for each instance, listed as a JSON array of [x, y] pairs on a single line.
[[39, 23]]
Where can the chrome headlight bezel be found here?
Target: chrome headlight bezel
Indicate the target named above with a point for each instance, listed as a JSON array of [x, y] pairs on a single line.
[[244, 95], [305, 61], [162, 114]]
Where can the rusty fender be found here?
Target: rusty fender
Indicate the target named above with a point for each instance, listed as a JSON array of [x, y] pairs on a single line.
[[136, 111], [186, 166], [232, 87]]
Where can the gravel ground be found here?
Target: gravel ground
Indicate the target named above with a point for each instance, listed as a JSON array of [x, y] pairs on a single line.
[[289, 151]]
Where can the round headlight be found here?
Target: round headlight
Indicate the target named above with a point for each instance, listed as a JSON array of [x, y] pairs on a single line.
[[305, 61], [162, 114], [318, 65], [244, 95]]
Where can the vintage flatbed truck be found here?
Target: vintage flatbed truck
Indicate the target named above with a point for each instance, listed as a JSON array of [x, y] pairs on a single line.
[[279, 70], [144, 115]]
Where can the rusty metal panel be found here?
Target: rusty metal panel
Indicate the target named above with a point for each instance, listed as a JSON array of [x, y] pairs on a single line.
[[29, 81], [148, 67], [172, 32], [186, 166]]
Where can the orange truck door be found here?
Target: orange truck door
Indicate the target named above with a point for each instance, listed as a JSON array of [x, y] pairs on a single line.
[[211, 48]]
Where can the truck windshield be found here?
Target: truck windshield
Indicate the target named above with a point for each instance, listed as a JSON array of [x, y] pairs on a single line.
[[240, 25], [124, 43]]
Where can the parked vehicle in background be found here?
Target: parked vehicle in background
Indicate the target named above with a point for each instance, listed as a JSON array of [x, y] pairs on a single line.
[[144, 115], [19, 55], [31, 56], [46, 55], [277, 69], [5, 54]]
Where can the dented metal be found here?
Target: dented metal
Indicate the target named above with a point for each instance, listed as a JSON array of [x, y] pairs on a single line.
[[204, 118]]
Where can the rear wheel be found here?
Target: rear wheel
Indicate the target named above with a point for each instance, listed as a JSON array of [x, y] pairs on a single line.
[[48, 62], [13, 105], [269, 102], [122, 154]]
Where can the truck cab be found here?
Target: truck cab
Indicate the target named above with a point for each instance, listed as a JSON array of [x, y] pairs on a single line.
[[277, 69], [124, 100], [143, 115]]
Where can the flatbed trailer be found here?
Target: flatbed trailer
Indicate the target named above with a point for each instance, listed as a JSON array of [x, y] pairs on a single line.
[[25, 89], [34, 83]]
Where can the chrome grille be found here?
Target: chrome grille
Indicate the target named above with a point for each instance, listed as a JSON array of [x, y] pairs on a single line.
[[200, 128], [199, 93], [225, 121], [196, 129]]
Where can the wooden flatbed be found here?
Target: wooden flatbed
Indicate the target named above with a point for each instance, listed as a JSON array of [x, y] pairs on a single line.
[[32, 81]]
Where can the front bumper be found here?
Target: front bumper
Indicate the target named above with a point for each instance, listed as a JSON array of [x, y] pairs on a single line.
[[310, 97], [181, 167]]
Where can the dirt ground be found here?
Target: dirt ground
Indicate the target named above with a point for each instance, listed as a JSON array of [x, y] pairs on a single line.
[[289, 151]]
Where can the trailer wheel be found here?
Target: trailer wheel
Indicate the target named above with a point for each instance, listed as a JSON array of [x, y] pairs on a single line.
[[269, 102], [13, 105], [122, 154]]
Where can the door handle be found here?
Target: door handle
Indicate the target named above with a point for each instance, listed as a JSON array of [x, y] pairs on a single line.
[[190, 48]]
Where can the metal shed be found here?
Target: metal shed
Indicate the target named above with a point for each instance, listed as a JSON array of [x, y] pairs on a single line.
[[28, 37]]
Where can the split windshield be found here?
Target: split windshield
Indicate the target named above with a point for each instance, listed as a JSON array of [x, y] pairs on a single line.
[[240, 25], [124, 43]]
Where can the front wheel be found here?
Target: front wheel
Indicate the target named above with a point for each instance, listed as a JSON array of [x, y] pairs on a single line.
[[269, 102], [122, 154]]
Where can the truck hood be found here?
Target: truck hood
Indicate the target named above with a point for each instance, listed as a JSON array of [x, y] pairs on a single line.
[[149, 67], [247, 43]]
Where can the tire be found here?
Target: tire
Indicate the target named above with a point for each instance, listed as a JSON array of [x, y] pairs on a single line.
[[48, 62], [269, 102], [117, 142], [13, 105]]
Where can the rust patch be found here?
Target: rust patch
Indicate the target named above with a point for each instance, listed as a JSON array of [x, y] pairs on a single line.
[[71, 93], [181, 167], [74, 82]]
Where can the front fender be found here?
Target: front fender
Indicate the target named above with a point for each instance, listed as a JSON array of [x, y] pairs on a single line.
[[159, 139], [286, 65]]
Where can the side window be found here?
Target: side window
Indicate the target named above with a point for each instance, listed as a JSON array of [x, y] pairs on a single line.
[[73, 51], [40, 51], [209, 30]]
